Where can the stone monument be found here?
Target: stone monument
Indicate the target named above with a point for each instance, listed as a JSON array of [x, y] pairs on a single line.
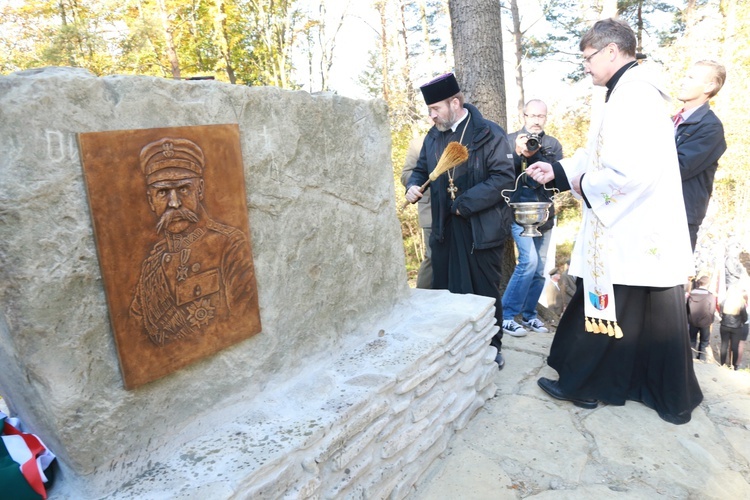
[[355, 383]]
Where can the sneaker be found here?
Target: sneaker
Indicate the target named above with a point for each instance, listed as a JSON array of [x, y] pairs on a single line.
[[535, 325], [513, 329]]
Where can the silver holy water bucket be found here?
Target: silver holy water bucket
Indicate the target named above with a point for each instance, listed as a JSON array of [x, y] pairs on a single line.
[[530, 214]]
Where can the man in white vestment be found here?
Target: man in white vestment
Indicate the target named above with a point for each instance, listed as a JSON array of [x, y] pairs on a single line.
[[624, 335]]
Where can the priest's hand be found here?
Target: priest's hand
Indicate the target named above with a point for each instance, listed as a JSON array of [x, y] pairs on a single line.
[[413, 194], [541, 172]]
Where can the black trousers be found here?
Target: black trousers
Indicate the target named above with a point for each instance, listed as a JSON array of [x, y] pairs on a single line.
[[704, 331]]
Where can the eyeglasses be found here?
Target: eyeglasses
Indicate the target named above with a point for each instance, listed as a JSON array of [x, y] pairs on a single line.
[[539, 117], [587, 59]]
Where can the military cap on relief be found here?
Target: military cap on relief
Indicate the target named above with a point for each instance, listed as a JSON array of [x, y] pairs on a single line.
[[171, 159], [440, 88]]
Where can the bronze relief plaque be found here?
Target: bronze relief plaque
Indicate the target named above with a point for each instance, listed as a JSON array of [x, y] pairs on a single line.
[[170, 220]]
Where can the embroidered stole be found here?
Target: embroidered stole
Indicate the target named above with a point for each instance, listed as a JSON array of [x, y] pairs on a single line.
[[598, 290]]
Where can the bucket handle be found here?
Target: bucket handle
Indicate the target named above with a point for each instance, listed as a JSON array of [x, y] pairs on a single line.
[[555, 191]]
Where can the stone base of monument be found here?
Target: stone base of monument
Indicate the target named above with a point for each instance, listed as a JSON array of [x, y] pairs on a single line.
[[355, 383], [367, 424]]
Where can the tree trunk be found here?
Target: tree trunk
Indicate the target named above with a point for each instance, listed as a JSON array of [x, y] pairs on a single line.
[[322, 43], [424, 23], [310, 51], [478, 55], [326, 44], [171, 51], [518, 39], [639, 28], [222, 39], [287, 41], [413, 113], [384, 56]]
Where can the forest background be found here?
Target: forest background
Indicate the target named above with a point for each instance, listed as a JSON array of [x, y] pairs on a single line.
[[386, 48]]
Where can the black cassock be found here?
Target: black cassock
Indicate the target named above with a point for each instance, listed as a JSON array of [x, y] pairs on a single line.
[[460, 268], [651, 363], [457, 266]]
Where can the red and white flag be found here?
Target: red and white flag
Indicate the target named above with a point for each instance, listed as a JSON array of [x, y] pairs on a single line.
[[23, 460]]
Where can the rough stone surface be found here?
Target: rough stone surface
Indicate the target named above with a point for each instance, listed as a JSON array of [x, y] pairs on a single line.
[[314, 390], [341, 430], [523, 444]]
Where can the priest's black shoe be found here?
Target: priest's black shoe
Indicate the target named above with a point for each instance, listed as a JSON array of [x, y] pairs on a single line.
[[500, 360], [552, 388]]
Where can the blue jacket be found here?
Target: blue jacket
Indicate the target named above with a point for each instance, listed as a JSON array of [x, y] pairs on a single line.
[[700, 144], [490, 171]]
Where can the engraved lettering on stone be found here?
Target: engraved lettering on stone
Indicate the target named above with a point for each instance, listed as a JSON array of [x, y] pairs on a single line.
[[55, 145], [61, 146], [273, 167]]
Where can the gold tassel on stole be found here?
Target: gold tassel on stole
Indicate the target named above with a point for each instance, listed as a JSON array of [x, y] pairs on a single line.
[[610, 328], [594, 326], [618, 331]]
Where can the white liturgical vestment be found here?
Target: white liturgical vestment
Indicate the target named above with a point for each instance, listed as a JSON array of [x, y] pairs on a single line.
[[635, 231]]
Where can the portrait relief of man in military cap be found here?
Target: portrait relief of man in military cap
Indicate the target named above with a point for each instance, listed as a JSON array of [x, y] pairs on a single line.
[[200, 270], [192, 283]]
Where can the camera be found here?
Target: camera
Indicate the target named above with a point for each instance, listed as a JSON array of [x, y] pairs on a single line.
[[532, 142]]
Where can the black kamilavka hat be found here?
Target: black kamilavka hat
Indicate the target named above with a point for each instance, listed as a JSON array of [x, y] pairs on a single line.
[[439, 89]]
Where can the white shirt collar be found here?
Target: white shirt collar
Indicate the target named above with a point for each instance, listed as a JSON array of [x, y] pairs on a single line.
[[458, 122]]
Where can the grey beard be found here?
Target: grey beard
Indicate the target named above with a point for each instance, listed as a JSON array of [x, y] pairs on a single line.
[[175, 214], [447, 125]]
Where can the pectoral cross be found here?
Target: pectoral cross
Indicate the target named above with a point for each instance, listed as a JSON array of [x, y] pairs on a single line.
[[452, 189]]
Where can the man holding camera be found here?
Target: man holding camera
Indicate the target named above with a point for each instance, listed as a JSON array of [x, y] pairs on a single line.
[[527, 283]]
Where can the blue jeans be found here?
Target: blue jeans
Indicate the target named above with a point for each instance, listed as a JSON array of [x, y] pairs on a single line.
[[527, 283]]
